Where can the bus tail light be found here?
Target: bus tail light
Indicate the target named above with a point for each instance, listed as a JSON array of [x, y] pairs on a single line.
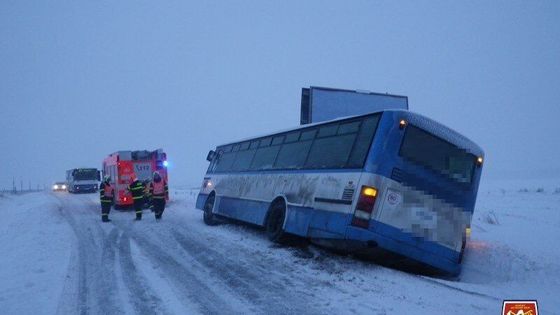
[[364, 207]]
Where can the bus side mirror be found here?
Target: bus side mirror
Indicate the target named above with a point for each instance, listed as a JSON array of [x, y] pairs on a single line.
[[98, 176], [211, 155]]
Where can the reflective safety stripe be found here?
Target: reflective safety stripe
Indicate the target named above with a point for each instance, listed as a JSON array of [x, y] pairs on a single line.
[[137, 197], [108, 190], [139, 211], [158, 197], [106, 201], [136, 188], [158, 188]]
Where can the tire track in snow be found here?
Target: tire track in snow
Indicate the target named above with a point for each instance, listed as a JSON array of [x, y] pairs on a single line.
[[271, 296], [82, 257], [108, 277], [97, 284], [74, 298], [143, 302], [452, 287], [182, 278]]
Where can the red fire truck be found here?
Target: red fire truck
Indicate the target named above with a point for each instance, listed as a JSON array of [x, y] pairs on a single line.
[[121, 165]]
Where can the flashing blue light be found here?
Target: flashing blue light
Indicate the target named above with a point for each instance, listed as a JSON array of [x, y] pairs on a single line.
[[165, 163]]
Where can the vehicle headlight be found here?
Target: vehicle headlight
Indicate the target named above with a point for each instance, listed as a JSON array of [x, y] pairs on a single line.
[[63, 186], [55, 187]]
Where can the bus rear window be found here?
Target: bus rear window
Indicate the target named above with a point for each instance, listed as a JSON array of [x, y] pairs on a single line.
[[425, 149]]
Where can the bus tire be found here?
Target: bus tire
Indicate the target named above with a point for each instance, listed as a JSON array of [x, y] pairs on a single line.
[[275, 223], [209, 216]]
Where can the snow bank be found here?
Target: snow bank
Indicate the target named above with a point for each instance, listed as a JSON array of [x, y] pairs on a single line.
[[35, 244]]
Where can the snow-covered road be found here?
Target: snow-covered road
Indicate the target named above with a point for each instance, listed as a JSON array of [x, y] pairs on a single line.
[[57, 257], [165, 267]]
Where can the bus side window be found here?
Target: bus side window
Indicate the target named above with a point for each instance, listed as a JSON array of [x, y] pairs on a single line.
[[264, 158], [277, 140], [308, 134], [328, 130], [266, 154], [254, 144], [292, 137], [265, 142], [330, 152], [243, 160], [293, 155], [224, 162], [351, 127]]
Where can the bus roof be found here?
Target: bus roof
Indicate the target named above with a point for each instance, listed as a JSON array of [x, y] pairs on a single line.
[[419, 120], [83, 168]]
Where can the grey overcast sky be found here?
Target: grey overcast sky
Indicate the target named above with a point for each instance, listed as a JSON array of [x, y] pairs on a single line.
[[82, 79]]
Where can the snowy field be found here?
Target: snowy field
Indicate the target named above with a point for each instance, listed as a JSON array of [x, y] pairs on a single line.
[[57, 257]]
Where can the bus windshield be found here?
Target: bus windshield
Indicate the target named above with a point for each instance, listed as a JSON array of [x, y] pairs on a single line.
[[425, 149], [85, 174]]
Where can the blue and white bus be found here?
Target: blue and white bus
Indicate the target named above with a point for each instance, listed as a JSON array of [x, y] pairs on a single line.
[[393, 180]]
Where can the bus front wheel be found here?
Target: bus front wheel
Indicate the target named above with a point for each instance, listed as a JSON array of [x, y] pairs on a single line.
[[209, 217], [275, 223]]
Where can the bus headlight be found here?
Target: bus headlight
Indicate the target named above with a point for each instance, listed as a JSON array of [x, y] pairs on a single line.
[[479, 160], [207, 183], [402, 124]]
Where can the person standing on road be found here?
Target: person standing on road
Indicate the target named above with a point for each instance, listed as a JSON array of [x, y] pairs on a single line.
[[136, 188], [147, 195], [106, 193], [159, 192]]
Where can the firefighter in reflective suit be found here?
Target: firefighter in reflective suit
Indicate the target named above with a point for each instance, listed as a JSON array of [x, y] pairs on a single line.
[[106, 193], [136, 188], [159, 192]]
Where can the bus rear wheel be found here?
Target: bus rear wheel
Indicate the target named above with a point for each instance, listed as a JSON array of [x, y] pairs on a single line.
[[275, 223], [209, 217]]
